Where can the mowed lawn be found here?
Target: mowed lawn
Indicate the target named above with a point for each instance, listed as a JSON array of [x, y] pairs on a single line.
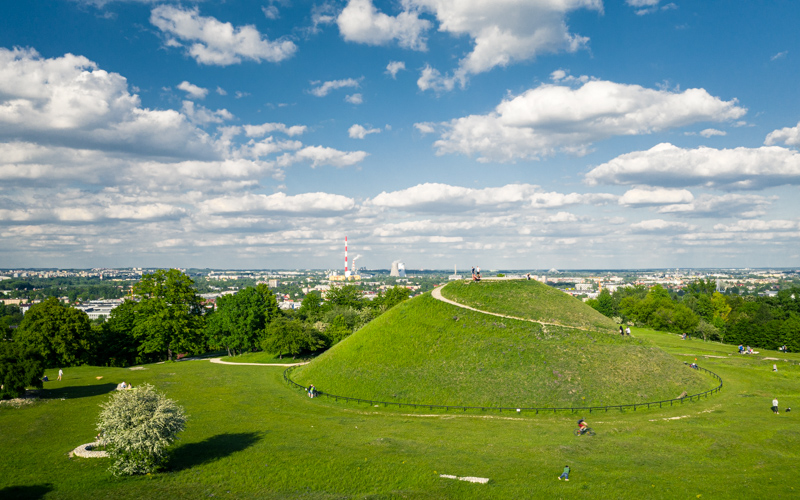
[[250, 436]]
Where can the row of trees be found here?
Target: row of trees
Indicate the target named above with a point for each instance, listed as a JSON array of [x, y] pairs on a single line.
[[766, 322], [167, 318]]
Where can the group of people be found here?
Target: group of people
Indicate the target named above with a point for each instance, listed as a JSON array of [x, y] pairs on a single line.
[[312, 391], [625, 331], [746, 350], [124, 386], [476, 273], [782, 348]]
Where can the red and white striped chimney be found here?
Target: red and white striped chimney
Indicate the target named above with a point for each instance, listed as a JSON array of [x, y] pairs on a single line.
[[346, 272]]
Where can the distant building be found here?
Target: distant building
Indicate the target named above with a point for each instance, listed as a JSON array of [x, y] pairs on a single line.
[[398, 269]]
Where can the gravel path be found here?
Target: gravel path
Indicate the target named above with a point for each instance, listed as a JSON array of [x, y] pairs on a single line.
[[437, 294]]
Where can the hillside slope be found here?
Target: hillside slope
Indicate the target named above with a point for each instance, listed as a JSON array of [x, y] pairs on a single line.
[[527, 299], [427, 351]]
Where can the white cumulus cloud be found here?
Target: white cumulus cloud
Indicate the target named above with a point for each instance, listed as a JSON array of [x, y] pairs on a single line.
[[552, 118], [193, 90], [394, 67], [326, 87], [728, 169], [361, 22], [354, 99], [359, 132], [787, 135], [212, 42], [658, 196]]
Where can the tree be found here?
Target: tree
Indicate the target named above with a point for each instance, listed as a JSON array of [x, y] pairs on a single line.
[[337, 330], [138, 425], [239, 320], [169, 314], [19, 368], [311, 308], [604, 304], [290, 336], [345, 296], [62, 334], [395, 295], [118, 345]]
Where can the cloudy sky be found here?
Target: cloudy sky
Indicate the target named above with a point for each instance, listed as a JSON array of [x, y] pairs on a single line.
[[513, 134]]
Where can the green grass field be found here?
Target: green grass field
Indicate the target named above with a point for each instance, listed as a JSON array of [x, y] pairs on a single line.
[[528, 299], [266, 358], [251, 436], [427, 351]]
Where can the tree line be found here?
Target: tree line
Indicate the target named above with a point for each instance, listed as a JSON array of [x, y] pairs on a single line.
[[765, 322], [166, 318]]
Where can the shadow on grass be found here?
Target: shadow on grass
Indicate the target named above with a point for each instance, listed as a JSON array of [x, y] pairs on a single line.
[[78, 391], [213, 448], [27, 492]]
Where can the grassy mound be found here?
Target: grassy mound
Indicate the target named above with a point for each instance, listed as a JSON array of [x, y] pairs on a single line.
[[427, 351], [527, 299]]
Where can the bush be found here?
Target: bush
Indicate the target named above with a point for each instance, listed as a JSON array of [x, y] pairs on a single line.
[[138, 425], [19, 368]]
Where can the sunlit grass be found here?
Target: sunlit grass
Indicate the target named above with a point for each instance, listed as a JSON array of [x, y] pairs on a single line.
[[527, 299]]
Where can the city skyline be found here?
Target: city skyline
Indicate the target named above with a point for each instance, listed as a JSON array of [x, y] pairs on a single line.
[[525, 134]]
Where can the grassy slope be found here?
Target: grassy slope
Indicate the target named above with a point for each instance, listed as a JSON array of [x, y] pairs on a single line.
[[265, 357], [426, 351], [527, 299], [250, 436]]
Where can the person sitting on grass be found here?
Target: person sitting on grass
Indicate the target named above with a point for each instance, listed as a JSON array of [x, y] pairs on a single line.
[[564, 475]]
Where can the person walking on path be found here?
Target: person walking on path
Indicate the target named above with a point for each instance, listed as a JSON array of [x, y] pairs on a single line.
[[775, 406], [60, 373], [564, 475]]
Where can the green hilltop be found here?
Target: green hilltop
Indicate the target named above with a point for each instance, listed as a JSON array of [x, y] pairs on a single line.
[[430, 352]]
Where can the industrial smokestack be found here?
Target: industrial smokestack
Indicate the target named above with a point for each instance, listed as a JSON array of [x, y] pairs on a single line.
[[346, 271]]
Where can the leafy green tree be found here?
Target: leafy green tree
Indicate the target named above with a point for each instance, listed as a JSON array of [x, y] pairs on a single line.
[[790, 332], [137, 426], [337, 330], [240, 319], [19, 368], [702, 287], [62, 334], [707, 331], [311, 308], [345, 296], [395, 295], [291, 336], [169, 318], [604, 304], [118, 345]]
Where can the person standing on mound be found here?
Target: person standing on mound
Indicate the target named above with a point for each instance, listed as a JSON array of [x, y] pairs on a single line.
[[564, 475]]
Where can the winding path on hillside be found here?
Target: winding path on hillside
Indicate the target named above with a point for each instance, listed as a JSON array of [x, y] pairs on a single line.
[[437, 294], [220, 362]]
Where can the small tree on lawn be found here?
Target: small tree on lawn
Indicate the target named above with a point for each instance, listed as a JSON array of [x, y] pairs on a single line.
[[19, 368], [138, 425]]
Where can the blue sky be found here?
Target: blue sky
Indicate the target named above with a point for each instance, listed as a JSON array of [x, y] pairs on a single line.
[[507, 134]]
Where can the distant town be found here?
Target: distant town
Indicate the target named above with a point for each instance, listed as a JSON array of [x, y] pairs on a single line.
[[97, 291]]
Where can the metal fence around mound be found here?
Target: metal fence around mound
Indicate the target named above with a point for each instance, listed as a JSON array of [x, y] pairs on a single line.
[[515, 409]]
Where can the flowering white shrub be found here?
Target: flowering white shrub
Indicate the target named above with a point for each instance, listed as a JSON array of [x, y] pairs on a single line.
[[137, 426]]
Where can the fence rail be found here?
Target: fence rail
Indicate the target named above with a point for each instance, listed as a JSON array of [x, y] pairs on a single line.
[[590, 409]]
